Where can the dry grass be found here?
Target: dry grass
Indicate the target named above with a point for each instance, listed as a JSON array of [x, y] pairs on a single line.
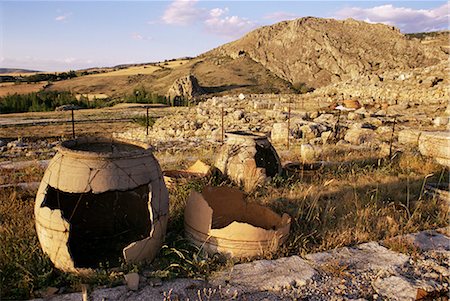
[[29, 174], [102, 122], [338, 206], [147, 69], [173, 64], [402, 245], [22, 88]]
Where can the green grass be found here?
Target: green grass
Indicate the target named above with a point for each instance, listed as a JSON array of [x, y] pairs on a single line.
[[338, 206]]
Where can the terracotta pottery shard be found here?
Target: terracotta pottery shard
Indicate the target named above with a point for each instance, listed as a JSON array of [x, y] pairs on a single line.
[[197, 171], [219, 220]]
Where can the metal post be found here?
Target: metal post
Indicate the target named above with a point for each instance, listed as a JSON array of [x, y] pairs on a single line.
[[223, 129], [392, 137], [147, 122], [73, 126], [336, 127], [289, 124]]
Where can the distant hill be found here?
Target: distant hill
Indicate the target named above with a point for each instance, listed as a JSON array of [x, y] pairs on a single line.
[[17, 71], [320, 51], [307, 52]]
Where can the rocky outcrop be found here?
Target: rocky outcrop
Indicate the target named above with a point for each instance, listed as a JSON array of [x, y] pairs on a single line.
[[318, 52], [186, 87]]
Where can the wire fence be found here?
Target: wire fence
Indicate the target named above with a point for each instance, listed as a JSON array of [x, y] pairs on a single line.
[[70, 124]]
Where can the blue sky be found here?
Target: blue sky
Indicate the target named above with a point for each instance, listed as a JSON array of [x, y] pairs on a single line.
[[62, 35]]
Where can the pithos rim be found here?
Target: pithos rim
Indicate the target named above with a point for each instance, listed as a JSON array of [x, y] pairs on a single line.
[[245, 135], [68, 147]]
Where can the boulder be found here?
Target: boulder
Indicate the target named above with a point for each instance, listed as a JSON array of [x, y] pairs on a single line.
[[440, 121], [359, 136], [186, 87], [238, 114]]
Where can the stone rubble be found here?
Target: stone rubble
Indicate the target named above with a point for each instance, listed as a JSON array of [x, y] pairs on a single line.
[[368, 271], [403, 95]]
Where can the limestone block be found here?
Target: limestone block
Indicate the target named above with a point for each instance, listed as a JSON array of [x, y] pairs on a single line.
[[279, 133], [267, 275], [409, 137], [436, 145], [360, 136]]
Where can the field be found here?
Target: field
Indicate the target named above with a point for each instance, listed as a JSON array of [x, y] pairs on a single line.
[[58, 125], [145, 69], [22, 88]]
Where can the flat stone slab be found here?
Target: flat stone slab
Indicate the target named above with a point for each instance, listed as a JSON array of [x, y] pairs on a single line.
[[367, 256], [267, 275], [400, 288], [395, 288], [367, 271], [429, 240], [23, 164]]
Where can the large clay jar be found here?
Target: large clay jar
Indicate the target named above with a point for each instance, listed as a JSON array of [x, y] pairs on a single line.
[[248, 159], [101, 202]]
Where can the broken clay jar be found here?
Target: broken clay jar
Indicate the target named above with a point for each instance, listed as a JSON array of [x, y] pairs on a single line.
[[218, 220], [248, 159], [101, 201], [197, 171]]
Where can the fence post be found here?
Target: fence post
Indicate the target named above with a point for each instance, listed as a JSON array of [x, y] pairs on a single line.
[[73, 125], [223, 129], [289, 124], [147, 122], [392, 137]]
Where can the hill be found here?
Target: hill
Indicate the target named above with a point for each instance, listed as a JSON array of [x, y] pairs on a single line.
[[16, 71], [310, 52], [322, 51]]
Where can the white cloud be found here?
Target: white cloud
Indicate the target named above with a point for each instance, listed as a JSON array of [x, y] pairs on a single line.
[[182, 12], [69, 60], [280, 16], [139, 37], [63, 17], [216, 21], [217, 12], [229, 26], [407, 19]]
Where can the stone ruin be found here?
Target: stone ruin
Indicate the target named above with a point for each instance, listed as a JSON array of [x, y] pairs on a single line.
[[248, 159], [101, 201]]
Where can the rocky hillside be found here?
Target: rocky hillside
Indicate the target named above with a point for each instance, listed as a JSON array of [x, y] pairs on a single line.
[[307, 52], [322, 51]]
